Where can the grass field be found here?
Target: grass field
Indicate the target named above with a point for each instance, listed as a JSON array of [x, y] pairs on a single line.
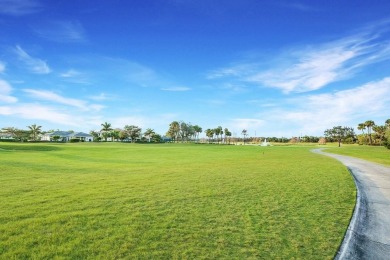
[[378, 154], [104, 200]]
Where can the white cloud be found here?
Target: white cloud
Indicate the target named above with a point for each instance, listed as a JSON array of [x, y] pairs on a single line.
[[35, 65], [19, 7], [39, 112], [62, 31], [5, 91], [53, 97], [246, 123], [74, 76], [70, 74], [311, 68], [313, 114], [176, 89], [313, 71], [101, 97]]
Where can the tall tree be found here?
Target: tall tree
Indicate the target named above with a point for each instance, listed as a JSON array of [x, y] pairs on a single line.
[[174, 130], [106, 128], [218, 132], [184, 130], [244, 133], [134, 132], [362, 127], [369, 124], [209, 133], [380, 131], [228, 134], [197, 130], [35, 130], [339, 133], [123, 135], [149, 133], [115, 134]]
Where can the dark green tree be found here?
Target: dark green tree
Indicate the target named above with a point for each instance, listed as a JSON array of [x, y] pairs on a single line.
[[339, 133]]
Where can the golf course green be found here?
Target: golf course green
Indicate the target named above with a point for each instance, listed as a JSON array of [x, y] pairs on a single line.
[[187, 201]]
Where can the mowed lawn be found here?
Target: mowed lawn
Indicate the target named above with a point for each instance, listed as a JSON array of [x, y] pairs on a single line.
[[187, 201], [378, 154]]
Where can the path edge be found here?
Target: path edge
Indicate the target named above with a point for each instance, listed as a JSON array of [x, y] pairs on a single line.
[[346, 245]]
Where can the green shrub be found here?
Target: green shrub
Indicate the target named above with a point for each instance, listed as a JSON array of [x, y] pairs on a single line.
[[75, 140]]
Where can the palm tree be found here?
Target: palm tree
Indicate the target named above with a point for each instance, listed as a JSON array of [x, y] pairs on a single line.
[[369, 124], [174, 130], [197, 130], [35, 130], [387, 123], [227, 134], [106, 128], [218, 131], [380, 131], [209, 133], [361, 127], [10, 130], [244, 133]]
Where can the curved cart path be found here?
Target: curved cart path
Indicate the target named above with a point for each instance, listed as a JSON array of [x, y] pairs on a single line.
[[368, 234]]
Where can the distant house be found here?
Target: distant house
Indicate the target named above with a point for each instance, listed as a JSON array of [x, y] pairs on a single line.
[[66, 136], [6, 136]]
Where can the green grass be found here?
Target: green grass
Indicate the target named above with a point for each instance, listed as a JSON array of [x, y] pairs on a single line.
[[103, 200], [378, 154]]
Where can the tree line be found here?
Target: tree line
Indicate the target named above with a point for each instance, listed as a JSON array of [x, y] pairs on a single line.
[[372, 134], [180, 131]]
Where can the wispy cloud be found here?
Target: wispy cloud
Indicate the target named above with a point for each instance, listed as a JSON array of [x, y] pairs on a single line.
[[311, 68], [176, 89], [5, 91], [74, 76], [62, 31], [70, 74], [101, 97], [35, 65], [19, 7], [55, 98]]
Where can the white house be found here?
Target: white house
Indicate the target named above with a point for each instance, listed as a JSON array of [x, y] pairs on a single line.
[[65, 136], [6, 136]]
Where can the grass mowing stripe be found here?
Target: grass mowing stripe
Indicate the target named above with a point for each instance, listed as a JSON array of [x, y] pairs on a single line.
[[171, 201]]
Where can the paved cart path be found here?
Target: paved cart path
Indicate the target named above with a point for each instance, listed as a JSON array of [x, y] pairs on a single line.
[[368, 235]]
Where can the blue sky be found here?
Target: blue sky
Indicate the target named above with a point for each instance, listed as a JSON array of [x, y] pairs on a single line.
[[275, 68]]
